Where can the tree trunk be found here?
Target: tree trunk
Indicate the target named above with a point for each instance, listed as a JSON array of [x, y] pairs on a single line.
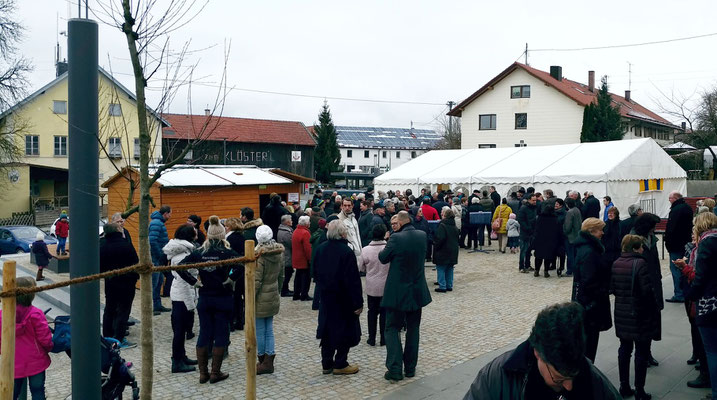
[[145, 258]]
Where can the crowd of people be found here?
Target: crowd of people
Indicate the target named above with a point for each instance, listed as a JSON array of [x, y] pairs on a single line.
[[388, 238]]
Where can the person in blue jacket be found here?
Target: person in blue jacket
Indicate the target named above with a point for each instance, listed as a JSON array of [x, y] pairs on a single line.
[[158, 238]]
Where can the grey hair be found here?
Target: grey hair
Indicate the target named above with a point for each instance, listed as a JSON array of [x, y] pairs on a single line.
[[475, 200], [361, 196], [632, 209], [338, 198], [285, 217], [116, 217], [304, 220], [574, 193], [336, 230], [589, 193]]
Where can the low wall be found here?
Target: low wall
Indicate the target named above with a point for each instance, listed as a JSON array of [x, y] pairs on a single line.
[[701, 188]]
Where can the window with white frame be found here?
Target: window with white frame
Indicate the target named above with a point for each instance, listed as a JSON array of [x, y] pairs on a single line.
[[398, 154], [349, 153], [136, 148], [384, 154], [60, 146], [59, 106], [32, 145], [414, 154], [520, 92], [521, 121], [114, 147], [487, 122], [115, 110], [365, 154]]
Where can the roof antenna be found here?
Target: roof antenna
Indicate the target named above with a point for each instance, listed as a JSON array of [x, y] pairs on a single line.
[[629, 75], [526, 54]]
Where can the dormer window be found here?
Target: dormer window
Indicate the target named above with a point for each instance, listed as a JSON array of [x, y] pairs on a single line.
[[520, 92]]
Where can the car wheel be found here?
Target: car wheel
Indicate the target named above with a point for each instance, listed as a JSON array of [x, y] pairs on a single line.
[[20, 251]]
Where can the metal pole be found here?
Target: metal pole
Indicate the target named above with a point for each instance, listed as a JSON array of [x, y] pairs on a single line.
[[84, 206], [7, 361]]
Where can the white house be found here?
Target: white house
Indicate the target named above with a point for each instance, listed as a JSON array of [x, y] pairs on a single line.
[[524, 106], [374, 150]]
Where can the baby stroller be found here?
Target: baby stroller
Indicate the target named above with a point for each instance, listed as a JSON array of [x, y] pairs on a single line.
[[116, 374]]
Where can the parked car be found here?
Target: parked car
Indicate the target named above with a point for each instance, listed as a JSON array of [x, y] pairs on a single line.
[[102, 222], [18, 238]]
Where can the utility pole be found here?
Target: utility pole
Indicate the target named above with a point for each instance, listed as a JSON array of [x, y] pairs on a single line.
[[450, 105]]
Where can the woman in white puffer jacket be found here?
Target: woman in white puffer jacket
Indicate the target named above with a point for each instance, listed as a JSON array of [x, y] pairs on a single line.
[[183, 295]]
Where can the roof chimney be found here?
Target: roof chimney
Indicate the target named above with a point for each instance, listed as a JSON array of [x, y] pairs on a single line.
[[627, 95], [684, 125], [207, 112], [556, 72], [591, 81], [60, 68]]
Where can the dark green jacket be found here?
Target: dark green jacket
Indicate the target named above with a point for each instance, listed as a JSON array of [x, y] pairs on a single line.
[[406, 288]]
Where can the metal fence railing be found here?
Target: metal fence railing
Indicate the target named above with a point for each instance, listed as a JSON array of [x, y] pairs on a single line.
[[18, 219]]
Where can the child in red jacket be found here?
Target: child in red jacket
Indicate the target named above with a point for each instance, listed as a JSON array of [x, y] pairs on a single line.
[[62, 230]]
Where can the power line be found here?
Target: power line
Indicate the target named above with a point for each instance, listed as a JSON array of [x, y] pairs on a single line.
[[631, 44]]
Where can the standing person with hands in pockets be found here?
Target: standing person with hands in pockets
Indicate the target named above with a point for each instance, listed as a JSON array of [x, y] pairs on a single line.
[[376, 273]]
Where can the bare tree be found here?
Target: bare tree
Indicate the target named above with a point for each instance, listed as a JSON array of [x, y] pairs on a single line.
[[146, 26], [450, 129]]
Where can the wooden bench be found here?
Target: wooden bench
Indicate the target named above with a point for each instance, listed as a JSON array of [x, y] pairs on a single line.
[[59, 264]]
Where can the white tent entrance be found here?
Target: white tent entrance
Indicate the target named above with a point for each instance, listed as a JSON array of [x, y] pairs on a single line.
[[629, 171]]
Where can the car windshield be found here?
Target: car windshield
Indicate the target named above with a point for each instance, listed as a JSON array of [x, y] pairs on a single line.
[[25, 232]]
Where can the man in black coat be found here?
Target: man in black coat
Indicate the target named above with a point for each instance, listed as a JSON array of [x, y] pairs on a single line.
[[405, 294], [527, 216], [337, 277], [272, 214], [116, 252], [626, 225], [495, 196], [549, 365], [591, 208], [677, 234]]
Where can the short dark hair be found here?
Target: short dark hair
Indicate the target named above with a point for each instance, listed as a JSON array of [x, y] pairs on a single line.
[[608, 198], [560, 201], [196, 219], [248, 212], [645, 223], [530, 195], [531, 189], [504, 201], [378, 232], [185, 232], [165, 209], [558, 337], [570, 202]]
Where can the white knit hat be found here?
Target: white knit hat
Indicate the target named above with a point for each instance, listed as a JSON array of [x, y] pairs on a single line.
[[264, 234], [216, 230]]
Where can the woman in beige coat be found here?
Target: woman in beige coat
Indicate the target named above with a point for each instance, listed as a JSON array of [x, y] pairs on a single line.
[[268, 279], [502, 212]]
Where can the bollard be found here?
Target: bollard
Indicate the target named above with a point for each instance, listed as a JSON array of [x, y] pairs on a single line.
[[250, 321], [7, 360]]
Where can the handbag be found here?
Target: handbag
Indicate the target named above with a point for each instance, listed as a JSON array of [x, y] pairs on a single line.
[[493, 235], [61, 338], [497, 224]]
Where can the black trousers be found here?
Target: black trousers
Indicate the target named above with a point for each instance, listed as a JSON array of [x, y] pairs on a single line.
[[288, 271], [398, 358], [375, 314], [334, 357], [302, 282], [642, 356], [118, 305], [182, 321], [464, 234], [168, 278], [238, 316], [472, 236], [592, 335], [698, 348], [429, 250], [549, 264]]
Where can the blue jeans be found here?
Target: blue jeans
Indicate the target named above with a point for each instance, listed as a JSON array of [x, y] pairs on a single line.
[[37, 386], [676, 275], [265, 336], [709, 338], [156, 287], [570, 255], [61, 244], [445, 276], [526, 245]]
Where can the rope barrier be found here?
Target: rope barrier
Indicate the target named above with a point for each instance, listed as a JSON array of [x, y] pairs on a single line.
[[139, 268]]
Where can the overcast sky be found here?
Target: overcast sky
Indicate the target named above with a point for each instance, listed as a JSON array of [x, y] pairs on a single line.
[[408, 51]]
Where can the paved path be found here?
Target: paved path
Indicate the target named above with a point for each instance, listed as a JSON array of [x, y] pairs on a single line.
[[492, 307]]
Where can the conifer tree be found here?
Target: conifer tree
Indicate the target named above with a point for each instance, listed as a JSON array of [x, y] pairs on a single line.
[[601, 121], [327, 158]]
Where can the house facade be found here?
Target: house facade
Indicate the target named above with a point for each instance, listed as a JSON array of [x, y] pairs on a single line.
[[38, 181], [377, 150], [286, 145], [524, 106]]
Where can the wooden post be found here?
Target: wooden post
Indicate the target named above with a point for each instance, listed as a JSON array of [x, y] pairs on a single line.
[[250, 321], [7, 360]]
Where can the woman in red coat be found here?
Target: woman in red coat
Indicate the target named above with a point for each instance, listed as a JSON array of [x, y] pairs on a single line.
[[300, 259]]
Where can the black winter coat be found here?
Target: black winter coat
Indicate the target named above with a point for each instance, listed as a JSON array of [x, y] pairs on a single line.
[[364, 224], [115, 253], [591, 208], [548, 235], [679, 226], [704, 286], [611, 241], [626, 226], [495, 196], [406, 288], [591, 282], [42, 254], [272, 216], [338, 279], [445, 243], [637, 316], [527, 216], [511, 375], [213, 278]]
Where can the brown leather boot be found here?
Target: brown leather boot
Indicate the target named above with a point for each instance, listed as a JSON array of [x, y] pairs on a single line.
[[203, 362], [261, 361], [217, 358], [267, 366], [39, 275]]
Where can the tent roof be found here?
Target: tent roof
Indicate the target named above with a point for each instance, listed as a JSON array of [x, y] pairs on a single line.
[[582, 162], [680, 145]]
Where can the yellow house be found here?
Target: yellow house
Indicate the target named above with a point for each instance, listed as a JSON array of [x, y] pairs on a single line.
[[37, 183]]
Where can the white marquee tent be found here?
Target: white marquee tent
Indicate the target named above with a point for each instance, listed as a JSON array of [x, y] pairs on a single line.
[[629, 171]]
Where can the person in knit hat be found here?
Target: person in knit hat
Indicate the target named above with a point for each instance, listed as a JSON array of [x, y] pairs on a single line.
[[216, 289], [62, 231], [268, 279], [42, 255]]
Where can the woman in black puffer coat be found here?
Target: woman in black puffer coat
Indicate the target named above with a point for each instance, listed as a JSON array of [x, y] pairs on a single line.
[[636, 313], [548, 234], [591, 283], [611, 238]]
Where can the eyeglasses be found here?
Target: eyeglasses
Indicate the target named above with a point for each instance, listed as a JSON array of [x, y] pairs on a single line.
[[557, 381]]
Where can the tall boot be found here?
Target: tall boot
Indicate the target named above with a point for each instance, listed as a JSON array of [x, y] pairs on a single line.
[[702, 380], [39, 275], [261, 361], [217, 358], [203, 362], [623, 364], [266, 366]]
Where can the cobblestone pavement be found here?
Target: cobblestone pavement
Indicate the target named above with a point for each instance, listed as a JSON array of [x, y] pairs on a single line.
[[492, 305]]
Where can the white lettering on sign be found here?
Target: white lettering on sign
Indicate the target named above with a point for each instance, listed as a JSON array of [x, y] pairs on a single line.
[[296, 156]]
